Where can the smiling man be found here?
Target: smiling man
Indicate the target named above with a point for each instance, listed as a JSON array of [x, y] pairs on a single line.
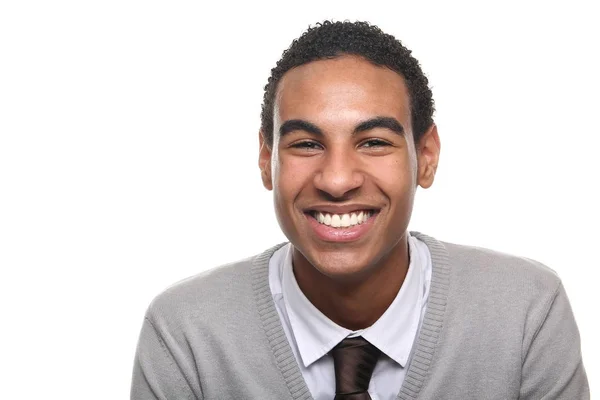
[[355, 306]]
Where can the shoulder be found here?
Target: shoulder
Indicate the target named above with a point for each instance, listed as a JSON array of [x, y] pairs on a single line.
[[493, 296], [486, 276], [216, 294], [206, 288], [474, 264], [497, 315]]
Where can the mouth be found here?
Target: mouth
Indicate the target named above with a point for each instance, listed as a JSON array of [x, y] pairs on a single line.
[[347, 226], [342, 220]]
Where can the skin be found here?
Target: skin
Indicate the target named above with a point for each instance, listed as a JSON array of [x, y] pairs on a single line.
[[352, 283]]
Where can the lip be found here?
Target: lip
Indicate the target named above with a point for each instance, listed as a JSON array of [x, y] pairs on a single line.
[[339, 209], [340, 235]]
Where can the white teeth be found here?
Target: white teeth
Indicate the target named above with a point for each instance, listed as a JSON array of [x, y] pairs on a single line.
[[342, 220], [336, 221], [345, 220]]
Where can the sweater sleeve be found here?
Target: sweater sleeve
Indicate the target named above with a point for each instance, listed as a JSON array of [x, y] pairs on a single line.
[[156, 374], [552, 365]]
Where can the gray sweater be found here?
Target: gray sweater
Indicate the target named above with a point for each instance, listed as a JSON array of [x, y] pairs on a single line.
[[496, 327]]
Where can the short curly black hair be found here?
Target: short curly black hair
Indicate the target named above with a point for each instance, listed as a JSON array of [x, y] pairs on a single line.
[[331, 39]]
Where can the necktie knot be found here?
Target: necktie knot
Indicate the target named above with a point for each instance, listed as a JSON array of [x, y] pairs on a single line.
[[354, 360]]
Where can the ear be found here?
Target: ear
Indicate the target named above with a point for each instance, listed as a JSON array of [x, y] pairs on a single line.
[[428, 155], [264, 162]]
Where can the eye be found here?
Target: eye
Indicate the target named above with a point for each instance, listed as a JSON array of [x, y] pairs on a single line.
[[374, 143], [306, 145]]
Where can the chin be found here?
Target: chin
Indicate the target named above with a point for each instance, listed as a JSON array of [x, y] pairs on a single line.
[[340, 263]]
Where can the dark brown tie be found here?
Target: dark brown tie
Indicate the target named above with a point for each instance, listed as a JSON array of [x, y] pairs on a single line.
[[354, 360]]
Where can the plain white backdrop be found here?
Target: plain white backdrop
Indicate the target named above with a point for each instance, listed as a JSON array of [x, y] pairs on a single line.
[[128, 158]]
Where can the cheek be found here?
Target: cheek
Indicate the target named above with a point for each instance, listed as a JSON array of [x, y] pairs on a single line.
[[395, 176], [290, 176], [396, 181], [406, 179]]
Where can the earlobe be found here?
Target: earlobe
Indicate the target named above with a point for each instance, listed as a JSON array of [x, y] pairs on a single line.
[[264, 162], [266, 179], [429, 153]]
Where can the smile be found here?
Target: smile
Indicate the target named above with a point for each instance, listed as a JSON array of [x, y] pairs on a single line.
[[343, 226], [342, 220]]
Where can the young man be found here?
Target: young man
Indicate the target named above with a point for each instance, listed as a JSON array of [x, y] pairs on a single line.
[[356, 307]]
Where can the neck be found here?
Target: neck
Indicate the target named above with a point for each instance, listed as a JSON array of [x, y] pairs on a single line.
[[354, 302]]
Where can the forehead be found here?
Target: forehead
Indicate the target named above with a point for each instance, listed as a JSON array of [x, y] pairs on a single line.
[[346, 88]]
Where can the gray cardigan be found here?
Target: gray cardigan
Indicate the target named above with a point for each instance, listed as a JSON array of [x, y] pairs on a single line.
[[496, 327]]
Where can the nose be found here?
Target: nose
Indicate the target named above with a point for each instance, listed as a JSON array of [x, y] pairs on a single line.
[[338, 174]]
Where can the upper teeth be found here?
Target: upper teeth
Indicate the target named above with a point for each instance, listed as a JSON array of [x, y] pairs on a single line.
[[342, 220]]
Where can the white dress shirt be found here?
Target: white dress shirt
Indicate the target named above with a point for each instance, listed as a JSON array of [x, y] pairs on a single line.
[[312, 335]]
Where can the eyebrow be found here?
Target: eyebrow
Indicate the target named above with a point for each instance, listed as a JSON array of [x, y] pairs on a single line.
[[377, 122], [299, 125], [380, 122]]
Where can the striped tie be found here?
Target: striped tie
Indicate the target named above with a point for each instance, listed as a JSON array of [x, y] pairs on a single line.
[[354, 360]]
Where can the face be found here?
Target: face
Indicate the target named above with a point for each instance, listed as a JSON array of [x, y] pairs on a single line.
[[343, 165]]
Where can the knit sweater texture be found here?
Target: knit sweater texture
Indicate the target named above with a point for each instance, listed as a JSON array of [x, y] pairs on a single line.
[[496, 327]]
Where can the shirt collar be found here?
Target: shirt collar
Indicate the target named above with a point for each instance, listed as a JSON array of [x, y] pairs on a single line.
[[393, 333]]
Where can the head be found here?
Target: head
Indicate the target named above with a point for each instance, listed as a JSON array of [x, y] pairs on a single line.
[[347, 135]]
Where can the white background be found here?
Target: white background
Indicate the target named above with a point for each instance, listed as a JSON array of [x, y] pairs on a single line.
[[128, 158]]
